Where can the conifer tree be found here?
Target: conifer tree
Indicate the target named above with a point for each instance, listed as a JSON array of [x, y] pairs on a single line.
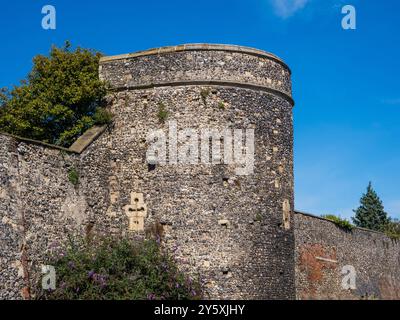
[[371, 214]]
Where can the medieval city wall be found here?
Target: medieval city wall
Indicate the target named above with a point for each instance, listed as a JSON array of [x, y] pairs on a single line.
[[324, 250], [235, 228]]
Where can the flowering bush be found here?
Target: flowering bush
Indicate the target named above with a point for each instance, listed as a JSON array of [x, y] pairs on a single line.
[[119, 269]]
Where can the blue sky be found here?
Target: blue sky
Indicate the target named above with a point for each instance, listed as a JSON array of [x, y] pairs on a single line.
[[345, 82]]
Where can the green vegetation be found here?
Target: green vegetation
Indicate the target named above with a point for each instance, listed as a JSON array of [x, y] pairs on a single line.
[[204, 93], [392, 229], [371, 214], [162, 112], [221, 105], [118, 269], [102, 116], [73, 176], [342, 223], [60, 99]]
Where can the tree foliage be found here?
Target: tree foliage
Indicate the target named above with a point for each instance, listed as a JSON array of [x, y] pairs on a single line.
[[371, 214], [60, 99], [392, 229]]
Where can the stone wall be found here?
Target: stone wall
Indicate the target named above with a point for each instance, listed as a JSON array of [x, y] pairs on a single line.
[[322, 251], [235, 230], [38, 207]]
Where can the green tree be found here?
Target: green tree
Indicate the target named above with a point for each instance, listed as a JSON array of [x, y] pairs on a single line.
[[371, 214], [60, 99]]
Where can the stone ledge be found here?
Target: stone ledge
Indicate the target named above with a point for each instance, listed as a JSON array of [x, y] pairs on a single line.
[[87, 138], [77, 147], [37, 142], [222, 83], [197, 47]]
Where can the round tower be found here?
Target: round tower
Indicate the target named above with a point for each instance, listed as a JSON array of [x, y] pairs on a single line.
[[227, 218]]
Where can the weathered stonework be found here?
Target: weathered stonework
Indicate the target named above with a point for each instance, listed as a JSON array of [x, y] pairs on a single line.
[[237, 231], [226, 227], [322, 251]]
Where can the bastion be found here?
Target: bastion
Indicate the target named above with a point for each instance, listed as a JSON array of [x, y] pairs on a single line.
[[234, 230]]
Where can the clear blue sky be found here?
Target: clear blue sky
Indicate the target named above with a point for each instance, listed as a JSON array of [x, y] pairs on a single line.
[[345, 83]]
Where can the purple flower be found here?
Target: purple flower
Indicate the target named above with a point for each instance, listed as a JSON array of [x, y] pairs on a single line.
[[177, 285], [193, 293], [98, 278], [151, 296], [91, 274], [71, 265]]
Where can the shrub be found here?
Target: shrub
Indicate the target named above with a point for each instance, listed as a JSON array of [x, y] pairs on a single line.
[[119, 269], [342, 223], [59, 99], [392, 229]]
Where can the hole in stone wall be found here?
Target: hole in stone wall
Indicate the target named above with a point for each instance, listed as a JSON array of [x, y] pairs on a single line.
[[151, 167]]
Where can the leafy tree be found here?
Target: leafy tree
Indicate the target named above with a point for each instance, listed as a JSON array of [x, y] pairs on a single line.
[[61, 98], [371, 214]]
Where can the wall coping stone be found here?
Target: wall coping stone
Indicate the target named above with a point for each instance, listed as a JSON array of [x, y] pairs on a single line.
[[325, 219], [37, 142], [197, 47], [87, 138], [80, 145]]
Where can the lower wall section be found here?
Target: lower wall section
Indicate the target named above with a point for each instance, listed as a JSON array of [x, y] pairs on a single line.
[[327, 257]]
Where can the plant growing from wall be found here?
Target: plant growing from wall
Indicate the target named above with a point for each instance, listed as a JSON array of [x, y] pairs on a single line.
[[204, 93], [342, 223], [60, 99], [162, 112], [221, 105], [119, 269], [73, 176]]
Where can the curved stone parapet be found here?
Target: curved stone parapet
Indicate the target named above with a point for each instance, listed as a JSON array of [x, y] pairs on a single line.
[[198, 64]]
